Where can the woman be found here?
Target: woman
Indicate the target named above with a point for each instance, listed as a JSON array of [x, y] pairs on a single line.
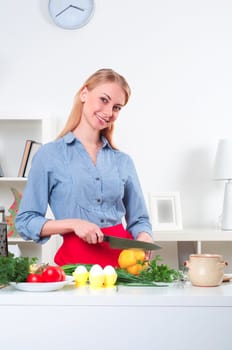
[[90, 186]]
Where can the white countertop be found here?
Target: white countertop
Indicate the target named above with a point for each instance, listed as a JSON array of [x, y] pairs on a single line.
[[175, 295], [173, 317]]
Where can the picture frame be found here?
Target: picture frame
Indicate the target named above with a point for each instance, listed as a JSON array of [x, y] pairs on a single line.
[[165, 211]]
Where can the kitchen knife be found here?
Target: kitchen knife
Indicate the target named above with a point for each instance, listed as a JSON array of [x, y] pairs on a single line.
[[124, 243]]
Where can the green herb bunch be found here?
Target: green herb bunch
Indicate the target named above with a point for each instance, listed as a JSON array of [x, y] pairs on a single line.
[[14, 269], [159, 272]]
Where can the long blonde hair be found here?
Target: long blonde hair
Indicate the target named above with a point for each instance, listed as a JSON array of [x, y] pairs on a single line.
[[99, 77]]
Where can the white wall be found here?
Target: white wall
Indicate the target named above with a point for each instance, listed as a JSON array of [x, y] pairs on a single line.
[[176, 55]]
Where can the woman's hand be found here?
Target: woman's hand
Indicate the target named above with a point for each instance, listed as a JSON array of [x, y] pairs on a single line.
[[145, 237], [87, 231]]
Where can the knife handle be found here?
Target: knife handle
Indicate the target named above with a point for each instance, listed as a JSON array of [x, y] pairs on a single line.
[[106, 238]]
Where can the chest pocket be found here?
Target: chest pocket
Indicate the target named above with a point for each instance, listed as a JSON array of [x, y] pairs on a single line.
[[113, 186]]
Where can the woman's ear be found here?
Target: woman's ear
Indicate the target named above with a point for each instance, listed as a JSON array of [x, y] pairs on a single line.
[[83, 94]]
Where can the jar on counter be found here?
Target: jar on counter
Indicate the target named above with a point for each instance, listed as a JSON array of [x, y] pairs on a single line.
[[206, 270]]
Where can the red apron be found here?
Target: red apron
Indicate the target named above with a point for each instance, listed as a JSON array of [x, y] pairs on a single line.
[[75, 251]]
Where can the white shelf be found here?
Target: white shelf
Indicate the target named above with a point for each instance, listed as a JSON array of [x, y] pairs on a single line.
[[197, 235], [15, 240], [193, 234], [21, 117], [14, 131], [13, 179]]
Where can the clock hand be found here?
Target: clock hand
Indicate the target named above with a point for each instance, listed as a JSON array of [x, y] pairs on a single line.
[[69, 6], [66, 8], [78, 8]]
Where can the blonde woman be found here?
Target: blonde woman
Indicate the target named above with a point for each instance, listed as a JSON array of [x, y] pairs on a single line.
[[90, 185]]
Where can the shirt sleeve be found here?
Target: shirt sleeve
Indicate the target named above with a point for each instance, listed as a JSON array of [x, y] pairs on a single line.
[[33, 207], [137, 217]]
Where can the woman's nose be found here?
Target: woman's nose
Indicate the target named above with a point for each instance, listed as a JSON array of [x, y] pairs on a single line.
[[108, 111]]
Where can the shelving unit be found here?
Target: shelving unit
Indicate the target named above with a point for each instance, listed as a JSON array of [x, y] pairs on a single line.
[[198, 235], [179, 244], [14, 131]]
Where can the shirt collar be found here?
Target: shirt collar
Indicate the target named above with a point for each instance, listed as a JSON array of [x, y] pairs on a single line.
[[70, 138]]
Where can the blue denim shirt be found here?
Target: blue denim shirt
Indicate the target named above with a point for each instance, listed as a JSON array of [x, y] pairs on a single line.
[[63, 176]]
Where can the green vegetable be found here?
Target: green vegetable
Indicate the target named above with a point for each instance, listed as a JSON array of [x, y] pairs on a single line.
[[160, 273], [14, 269], [126, 278], [148, 277]]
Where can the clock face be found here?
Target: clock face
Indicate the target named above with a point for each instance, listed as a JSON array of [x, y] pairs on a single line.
[[71, 14]]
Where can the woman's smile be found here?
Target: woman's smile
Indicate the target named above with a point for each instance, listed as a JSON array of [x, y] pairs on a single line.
[[103, 120]]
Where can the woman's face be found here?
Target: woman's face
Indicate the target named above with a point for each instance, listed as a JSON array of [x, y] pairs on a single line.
[[101, 106]]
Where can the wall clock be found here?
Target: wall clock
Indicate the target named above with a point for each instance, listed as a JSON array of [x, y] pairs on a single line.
[[71, 14]]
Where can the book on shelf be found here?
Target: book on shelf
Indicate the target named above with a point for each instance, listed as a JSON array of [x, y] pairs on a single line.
[[30, 148]]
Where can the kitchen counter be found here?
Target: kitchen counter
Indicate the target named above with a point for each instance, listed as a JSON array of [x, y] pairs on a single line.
[[120, 318]]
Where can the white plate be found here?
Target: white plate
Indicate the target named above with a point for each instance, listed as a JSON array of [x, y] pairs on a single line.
[[41, 287]]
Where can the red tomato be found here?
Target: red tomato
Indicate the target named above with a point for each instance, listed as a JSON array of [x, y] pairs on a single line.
[[52, 274], [34, 278], [62, 274]]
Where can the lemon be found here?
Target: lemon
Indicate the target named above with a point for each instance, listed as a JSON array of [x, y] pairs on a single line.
[[80, 275], [96, 276], [110, 276]]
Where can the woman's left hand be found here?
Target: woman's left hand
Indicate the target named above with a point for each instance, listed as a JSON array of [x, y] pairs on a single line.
[[145, 237]]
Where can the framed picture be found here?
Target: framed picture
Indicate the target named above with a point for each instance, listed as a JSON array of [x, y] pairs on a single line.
[[165, 211]]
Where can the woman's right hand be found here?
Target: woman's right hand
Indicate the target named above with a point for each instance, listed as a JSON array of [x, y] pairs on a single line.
[[89, 232]]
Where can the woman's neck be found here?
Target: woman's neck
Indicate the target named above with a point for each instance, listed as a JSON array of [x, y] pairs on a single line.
[[90, 140], [87, 137]]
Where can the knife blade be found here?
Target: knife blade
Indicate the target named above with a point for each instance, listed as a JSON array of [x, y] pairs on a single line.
[[123, 243]]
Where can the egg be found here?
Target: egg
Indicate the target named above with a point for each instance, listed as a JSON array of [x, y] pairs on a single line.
[[80, 275], [110, 276], [96, 276], [80, 269], [96, 269]]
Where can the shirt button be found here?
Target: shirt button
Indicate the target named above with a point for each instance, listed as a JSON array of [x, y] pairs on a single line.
[[98, 200], [102, 220], [97, 178]]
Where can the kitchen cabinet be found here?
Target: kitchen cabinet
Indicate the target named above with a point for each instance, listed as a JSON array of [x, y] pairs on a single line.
[[14, 131], [177, 317]]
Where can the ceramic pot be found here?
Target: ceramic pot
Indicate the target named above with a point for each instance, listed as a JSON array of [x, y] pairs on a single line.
[[206, 270]]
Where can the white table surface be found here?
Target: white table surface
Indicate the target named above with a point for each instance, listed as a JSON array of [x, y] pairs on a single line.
[[173, 295], [162, 318]]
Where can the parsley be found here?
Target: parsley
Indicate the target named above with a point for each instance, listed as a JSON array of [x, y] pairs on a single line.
[[14, 269], [159, 272]]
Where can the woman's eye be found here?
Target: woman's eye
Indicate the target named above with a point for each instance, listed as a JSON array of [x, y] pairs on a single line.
[[117, 108], [104, 100]]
